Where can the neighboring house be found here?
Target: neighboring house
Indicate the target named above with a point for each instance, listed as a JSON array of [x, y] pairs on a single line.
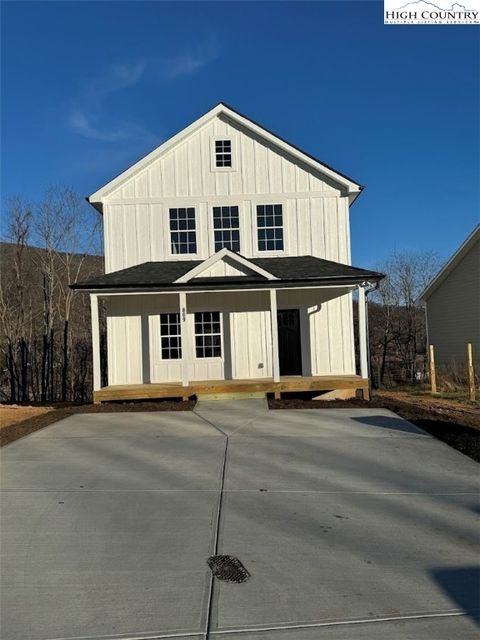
[[227, 255], [453, 305]]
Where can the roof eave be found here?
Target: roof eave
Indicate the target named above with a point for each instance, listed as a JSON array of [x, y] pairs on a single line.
[[450, 265], [333, 281], [98, 206]]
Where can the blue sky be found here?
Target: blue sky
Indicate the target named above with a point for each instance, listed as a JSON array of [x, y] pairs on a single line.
[[89, 87]]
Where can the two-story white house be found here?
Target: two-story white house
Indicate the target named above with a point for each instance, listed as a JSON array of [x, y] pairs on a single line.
[[227, 254]]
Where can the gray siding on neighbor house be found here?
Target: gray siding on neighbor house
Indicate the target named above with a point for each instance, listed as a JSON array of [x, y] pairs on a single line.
[[453, 311]]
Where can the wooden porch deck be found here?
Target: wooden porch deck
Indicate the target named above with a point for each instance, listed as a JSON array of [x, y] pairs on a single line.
[[262, 385]]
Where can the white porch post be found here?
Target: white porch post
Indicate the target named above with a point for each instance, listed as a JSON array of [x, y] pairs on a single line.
[[95, 342], [185, 364], [362, 331], [274, 325]]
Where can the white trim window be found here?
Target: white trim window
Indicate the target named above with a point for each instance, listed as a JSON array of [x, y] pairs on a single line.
[[208, 334], [270, 227], [170, 336], [226, 228], [223, 154], [183, 234]]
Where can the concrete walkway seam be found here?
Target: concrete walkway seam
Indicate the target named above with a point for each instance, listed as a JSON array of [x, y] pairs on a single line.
[[338, 623], [141, 636], [208, 620]]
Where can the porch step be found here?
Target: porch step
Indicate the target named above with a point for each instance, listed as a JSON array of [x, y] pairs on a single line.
[[232, 395]]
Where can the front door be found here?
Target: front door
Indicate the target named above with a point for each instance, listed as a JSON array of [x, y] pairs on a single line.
[[289, 343]]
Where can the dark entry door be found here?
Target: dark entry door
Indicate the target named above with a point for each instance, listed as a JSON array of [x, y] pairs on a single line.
[[289, 344]]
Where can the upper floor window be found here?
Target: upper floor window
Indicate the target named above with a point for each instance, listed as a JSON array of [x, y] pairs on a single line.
[[270, 227], [171, 341], [223, 153], [208, 338], [226, 228], [182, 230]]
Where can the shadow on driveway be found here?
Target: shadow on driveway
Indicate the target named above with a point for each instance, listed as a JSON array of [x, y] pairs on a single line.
[[462, 585], [388, 422]]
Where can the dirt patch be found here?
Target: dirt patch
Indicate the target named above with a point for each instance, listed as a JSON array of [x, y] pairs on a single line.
[[49, 415], [13, 413], [455, 422], [450, 409]]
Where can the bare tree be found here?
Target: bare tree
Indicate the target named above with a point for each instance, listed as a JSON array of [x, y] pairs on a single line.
[[80, 238], [48, 231], [44, 327], [15, 305], [399, 334], [67, 232]]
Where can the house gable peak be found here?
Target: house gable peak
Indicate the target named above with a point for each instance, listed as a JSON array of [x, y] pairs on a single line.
[[349, 186]]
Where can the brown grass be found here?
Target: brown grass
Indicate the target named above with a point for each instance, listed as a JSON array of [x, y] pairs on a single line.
[[13, 413]]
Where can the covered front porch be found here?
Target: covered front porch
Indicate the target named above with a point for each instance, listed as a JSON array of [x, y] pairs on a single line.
[[227, 325], [269, 341]]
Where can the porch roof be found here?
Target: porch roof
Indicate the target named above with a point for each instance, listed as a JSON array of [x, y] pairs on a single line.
[[289, 271]]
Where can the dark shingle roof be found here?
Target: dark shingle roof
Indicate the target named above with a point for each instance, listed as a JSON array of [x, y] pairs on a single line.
[[309, 267], [289, 271]]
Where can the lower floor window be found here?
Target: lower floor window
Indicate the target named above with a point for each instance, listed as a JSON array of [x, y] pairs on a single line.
[[208, 339], [171, 340]]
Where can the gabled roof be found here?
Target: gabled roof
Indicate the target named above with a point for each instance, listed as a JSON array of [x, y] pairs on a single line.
[[286, 272], [352, 187], [447, 268], [217, 257]]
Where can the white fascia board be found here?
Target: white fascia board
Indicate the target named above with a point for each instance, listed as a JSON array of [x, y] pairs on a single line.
[[353, 189], [223, 253], [450, 265], [104, 293]]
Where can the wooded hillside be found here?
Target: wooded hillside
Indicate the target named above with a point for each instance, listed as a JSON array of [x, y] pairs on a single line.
[[45, 333], [45, 329]]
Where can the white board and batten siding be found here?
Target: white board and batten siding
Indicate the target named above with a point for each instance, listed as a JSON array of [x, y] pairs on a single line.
[[136, 230], [136, 215]]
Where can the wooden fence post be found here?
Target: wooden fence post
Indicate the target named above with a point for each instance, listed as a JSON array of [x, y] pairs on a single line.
[[471, 373], [433, 375]]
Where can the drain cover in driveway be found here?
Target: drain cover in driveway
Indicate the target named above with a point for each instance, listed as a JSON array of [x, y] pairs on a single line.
[[228, 568]]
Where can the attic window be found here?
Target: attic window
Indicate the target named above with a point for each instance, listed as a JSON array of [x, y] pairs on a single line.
[[223, 153]]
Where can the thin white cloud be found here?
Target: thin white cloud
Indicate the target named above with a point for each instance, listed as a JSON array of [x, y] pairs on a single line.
[[91, 127], [88, 117], [116, 78], [190, 61]]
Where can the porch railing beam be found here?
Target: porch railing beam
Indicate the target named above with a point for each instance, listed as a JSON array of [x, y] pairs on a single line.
[[274, 331]]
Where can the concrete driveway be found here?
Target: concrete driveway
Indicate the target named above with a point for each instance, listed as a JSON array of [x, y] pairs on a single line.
[[353, 524]]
